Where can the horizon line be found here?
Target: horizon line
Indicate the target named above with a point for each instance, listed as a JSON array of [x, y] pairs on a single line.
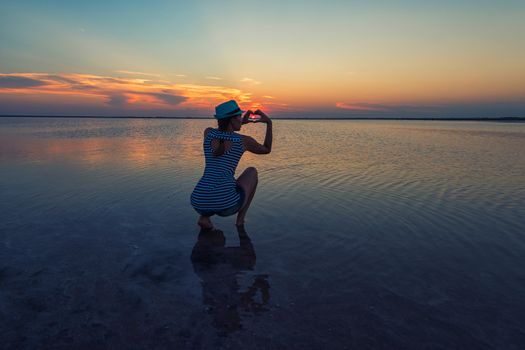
[[507, 119]]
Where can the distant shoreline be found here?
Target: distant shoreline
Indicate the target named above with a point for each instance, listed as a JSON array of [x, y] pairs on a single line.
[[503, 119]]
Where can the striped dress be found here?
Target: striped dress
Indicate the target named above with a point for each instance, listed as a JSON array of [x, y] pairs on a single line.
[[217, 188]]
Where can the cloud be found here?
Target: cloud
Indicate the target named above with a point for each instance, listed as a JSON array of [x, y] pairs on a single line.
[[116, 100], [117, 93], [213, 78], [116, 80], [202, 95], [250, 80], [269, 97], [18, 82], [62, 79], [169, 98], [361, 106], [129, 72]]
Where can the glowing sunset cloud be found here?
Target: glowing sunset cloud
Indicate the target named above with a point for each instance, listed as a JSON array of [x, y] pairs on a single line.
[[136, 93], [137, 73], [360, 107], [132, 93], [250, 80]]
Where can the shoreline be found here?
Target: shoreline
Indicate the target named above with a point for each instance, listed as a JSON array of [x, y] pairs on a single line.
[[503, 119]]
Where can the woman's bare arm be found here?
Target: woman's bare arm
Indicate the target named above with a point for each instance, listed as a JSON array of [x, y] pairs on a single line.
[[250, 144]]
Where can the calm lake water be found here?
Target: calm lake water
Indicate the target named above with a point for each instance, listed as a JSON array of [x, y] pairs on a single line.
[[364, 235]]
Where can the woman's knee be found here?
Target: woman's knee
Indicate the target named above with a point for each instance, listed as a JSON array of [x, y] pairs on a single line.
[[252, 171], [248, 179]]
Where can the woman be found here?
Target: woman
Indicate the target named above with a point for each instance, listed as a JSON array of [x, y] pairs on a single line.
[[218, 192]]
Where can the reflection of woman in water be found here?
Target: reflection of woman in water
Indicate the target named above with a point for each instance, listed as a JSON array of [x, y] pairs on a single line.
[[218, 192], [219, 269]]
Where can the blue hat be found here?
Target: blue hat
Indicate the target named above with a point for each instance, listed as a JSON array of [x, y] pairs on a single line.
[[227, 109]]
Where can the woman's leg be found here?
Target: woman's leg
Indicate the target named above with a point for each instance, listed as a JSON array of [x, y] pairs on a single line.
[[205, 222], [248, 181]]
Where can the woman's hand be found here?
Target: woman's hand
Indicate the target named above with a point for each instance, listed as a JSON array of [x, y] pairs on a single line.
[[263, 117], [246, 117]]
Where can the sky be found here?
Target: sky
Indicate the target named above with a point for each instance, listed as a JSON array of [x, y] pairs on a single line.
[[289, 58]]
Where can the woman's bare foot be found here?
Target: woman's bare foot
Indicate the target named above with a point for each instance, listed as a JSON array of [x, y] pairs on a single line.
[[205, 223]]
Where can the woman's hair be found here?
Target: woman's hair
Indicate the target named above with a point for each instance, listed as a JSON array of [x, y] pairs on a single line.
[[223, 126]]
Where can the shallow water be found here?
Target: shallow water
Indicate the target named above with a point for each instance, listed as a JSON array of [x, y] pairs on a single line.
[[364, 234]]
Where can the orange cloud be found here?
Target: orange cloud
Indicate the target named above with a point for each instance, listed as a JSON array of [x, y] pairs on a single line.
[[113, 91], [361, 106], [129, 72], [250, 80]]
